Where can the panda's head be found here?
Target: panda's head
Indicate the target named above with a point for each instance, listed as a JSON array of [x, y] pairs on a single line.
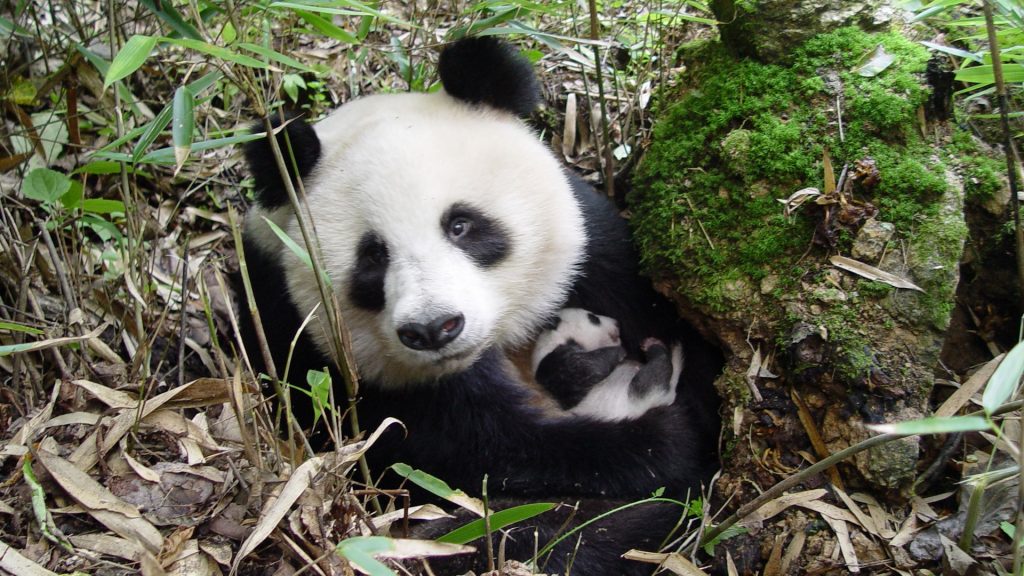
[[576, 326], [445, 224]]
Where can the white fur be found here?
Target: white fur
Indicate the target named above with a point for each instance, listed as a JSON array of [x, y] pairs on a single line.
[[393, 164], [575, 324], [609, 399]]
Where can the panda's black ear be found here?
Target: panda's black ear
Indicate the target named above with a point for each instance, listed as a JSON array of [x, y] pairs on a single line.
[[270, 190], [487, 71]]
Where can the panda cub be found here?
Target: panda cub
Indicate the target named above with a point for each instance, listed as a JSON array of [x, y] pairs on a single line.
[[580, 361]]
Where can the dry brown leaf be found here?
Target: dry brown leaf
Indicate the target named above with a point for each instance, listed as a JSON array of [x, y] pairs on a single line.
[[174, 545], [866, 521], [959, 561], [845, 544], [752, 372], [110, 397], [109, 510], [830, 511], [90, 451], [109, 545], [883, 520], [730, 565], [807, 420], [830, 175], [796, 546], [673, 562], [774, 565], [965, 392], [275, 510], [782, 502], [872, 273], [409, 548], [35, 423], [72, 419], [569, 129], [13, 562]]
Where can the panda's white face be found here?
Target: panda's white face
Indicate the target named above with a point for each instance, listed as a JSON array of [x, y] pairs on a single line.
[[446, 229]]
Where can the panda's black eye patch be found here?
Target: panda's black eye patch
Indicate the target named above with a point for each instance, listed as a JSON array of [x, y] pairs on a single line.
[[481, 237], [593, 319], [366, 286]]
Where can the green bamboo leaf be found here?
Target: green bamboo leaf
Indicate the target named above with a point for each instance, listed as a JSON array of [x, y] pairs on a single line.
[[183, 125], [439, 487], [99, 167], [326, 27], [129, 58], [303, 255], [953, 51], [153, 129], [9, 28], [102, 206], [501, 519], [14, 327], [360, 550], [166, 155], [275, 56], [217, 52], [165, 10], [1004, 380], [45, 185], [353, 8], [934, 425], [982, 74]]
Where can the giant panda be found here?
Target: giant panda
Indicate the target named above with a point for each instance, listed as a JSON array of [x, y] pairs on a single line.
[[451, 236]]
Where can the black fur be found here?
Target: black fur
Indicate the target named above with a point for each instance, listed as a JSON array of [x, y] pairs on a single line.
[[490, 72], [654, 374], [484, 239], [270, 190], [569, 372], [366, 285]]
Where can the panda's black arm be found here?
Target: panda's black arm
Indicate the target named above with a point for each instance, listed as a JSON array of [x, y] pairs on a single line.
[[569, 371], [481, 422]]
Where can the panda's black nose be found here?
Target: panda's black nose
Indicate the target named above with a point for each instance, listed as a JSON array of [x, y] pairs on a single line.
[[432, 336]]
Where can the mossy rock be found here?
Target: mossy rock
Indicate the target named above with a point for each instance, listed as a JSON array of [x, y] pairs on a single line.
[[740, 135]]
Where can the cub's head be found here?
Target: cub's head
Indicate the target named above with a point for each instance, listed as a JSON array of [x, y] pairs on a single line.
[[579, 328], [444, 223]]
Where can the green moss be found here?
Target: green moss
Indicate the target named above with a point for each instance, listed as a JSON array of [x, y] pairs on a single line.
[[872, 289], [982, 174], [704, 199]]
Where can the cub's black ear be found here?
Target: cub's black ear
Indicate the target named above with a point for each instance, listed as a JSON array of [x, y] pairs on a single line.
[[270, 190], [487, 71]]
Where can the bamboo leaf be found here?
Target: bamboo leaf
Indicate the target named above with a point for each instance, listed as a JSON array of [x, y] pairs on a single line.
[[874, 63], [165, 10], [217, 52], [129, 58], [982, 74], [953, 51], [102, 206], [275, 56], [439, 487], [1004, 380], [934, 425], [477, 528], [326, 27], [182, 126]]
